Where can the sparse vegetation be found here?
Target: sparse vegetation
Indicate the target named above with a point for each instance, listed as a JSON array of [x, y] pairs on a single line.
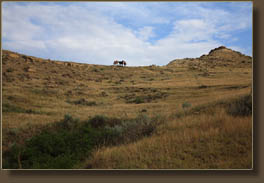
[[95, 70], [10, 70], [145, 98], [191, 113], [207, 141], [241, 106], [82, 101], [104, 94], [138, 100], [12, 108], [186, 105]]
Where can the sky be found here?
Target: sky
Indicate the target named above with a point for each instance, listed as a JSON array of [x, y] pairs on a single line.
[[141, 33]]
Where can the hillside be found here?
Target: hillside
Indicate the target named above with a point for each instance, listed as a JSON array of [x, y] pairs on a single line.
[[38, 93], [220, 56]]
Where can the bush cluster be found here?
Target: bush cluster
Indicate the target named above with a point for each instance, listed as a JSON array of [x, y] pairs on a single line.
[[58, 146], [145, 98], [82, 101], [125, 130], [10, 70], [241, 107], [65, 143]]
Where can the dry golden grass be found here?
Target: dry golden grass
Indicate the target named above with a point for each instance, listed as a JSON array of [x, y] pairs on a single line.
[[206, 141], [37, 92]]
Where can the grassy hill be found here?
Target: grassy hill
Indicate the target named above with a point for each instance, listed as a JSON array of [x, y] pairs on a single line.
[[192, 113]]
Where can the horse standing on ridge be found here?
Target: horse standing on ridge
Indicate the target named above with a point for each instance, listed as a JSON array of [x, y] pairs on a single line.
[[122, 63]]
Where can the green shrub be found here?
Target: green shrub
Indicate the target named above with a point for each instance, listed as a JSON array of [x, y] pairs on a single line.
[[98, 121], [11, 108], [132, 98], [57, 147], [241, 107], [11, 157], [138, 127], [114, 122], [104, 94], [82, 101], [186, 105], [48, 149], [139, 100], [10, 70], [65, 143], [67, 123], [114, 135]]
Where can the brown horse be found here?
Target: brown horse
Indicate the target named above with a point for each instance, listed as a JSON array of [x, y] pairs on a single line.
[[116, 62], [122, 63]]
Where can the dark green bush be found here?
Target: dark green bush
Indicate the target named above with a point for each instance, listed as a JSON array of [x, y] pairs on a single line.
[[114, 122], [11, 157], [104, 94], [98, 121], [64, 143], [82, 101], [11, 108], [241, 106], [67, 123], [139, 100], [145, 98], [138, 127], [59, 146], [10, 70], [186, 105]]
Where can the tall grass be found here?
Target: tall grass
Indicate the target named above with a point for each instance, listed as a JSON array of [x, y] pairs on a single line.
[[206, 141], [212, 139]]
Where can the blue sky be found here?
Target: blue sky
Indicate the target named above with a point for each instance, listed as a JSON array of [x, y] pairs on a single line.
[[142, 33]]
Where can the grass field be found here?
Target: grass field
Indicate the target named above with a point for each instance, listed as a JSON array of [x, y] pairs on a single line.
[[189, 114]]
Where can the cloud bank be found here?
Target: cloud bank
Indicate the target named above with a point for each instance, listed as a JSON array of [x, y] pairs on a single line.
[[142, 33]]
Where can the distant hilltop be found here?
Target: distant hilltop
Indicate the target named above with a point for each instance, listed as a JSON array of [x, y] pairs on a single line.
[[223, 49], [219, 56]]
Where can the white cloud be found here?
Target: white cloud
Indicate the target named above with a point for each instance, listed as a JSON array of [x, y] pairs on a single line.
[[102, 32], [134, 13], [193, 30], [145, 33]]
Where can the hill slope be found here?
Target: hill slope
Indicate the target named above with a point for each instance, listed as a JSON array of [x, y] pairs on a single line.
[[38, 92], [220, 56]]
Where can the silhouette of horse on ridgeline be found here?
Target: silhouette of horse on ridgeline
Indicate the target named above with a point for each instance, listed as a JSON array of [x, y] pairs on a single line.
[[122, 63]]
